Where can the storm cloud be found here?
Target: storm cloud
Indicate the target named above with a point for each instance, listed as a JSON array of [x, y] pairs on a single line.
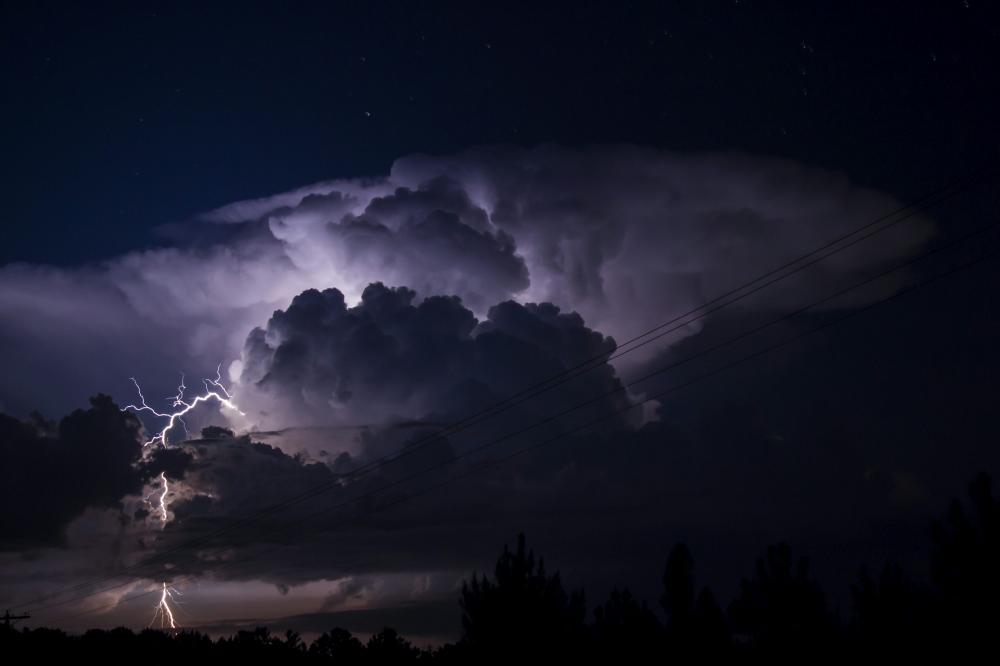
[[433, 362], [52, 472], [359, 318], [392, 359], [624, 236]]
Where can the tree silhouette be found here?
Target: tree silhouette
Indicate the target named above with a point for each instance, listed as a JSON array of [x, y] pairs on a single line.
[[338, 644], [678, 587], [388, 647], [259, 637], [523, 612], [891, 614], [625, 629], [782, 609], [693, 623], [293, 641], [964, 565]]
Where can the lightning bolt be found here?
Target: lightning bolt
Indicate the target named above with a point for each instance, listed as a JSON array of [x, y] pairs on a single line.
[[214, 390], [162, 610], [163, 498]]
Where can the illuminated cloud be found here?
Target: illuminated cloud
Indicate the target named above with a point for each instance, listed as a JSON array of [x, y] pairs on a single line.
[[625, 236]]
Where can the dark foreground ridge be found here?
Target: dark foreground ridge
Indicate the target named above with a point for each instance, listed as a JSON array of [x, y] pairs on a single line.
[[524, 613]]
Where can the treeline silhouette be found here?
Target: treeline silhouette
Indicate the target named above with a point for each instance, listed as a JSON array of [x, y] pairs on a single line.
[[524, 613]]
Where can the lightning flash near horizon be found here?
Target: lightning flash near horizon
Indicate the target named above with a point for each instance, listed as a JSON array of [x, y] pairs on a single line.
[[214, 389], [162, 610]]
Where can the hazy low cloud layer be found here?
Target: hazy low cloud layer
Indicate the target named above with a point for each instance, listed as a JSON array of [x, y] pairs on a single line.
[[624, 236]]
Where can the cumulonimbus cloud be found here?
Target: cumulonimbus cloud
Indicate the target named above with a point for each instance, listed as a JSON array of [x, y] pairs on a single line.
[[625, 236]]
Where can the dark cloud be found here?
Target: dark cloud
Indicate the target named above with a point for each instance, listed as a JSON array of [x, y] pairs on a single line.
[[732, 463], [172, 462], [391, 358], [731, 466], [52, 472], [408, 366], [426, 362]]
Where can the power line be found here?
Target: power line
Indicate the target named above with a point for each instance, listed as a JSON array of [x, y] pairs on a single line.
[[617, 412], [934, 198], [720, 370]]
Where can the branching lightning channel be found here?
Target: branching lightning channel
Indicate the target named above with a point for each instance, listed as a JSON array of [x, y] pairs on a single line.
[[163, 498], [214, 390], [162, 610]]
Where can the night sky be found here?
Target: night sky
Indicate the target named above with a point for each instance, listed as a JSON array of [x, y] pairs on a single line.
[[377, 219]]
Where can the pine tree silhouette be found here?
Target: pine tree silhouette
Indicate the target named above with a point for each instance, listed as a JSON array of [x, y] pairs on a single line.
[[695, 625], [388, 647], [891, 614], [523, 612], [965, 567], [782, 610], [625, 629], [338, 644]]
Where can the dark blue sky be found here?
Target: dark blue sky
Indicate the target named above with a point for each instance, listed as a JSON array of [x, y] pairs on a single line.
[[121, 117]]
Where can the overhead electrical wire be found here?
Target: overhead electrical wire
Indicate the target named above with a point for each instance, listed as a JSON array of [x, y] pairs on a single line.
[[782, 272], [746, 334], [589, 424]]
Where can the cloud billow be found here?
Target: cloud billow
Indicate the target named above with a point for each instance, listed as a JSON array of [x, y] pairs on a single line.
[[394, 357], [625, 236], [52, 472]]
